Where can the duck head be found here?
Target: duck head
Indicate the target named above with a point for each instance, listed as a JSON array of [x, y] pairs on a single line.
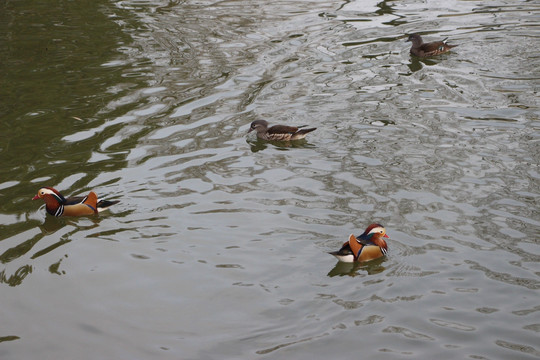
[[375, 234], [415, 39], [259, 126], [49, 194]]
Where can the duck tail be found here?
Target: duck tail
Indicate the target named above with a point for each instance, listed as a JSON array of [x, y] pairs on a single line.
[[103, 205], [305, 131]]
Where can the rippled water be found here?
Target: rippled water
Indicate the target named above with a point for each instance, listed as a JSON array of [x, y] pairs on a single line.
[[218, 248]]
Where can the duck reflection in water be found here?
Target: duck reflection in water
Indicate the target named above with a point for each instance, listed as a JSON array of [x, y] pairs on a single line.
[[258, 144], [355, 269], [416, 64], [52, 224]]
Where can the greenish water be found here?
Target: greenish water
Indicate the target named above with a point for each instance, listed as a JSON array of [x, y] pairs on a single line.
[[218, 248]]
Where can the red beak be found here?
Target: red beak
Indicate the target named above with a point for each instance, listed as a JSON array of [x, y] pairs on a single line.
[[35, 197], [386, 236]]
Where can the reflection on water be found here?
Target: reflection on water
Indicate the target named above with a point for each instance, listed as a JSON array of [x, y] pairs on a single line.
[[416, 63], [150, 102], [259, 145], [355, 269]]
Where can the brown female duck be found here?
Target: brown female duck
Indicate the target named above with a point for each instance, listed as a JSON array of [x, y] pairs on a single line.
[[278, 132], [421, 49]]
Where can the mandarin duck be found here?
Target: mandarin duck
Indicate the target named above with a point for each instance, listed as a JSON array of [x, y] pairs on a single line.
[[368, 246], [57, 205], [421, 49], [278, 132]]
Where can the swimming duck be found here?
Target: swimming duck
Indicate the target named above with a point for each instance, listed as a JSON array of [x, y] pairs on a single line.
[[421, 49], [278, 132], [368, 246], [57, 205]]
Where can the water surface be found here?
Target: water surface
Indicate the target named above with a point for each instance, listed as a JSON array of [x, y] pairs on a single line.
[[218, 248]]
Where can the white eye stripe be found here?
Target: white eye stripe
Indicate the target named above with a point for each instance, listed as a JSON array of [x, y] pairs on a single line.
[[47, 191], [377, 229]]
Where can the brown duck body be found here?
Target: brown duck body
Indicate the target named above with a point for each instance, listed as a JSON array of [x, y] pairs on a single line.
[[421, 49], [57, 205], [278, 132], [368, 246]]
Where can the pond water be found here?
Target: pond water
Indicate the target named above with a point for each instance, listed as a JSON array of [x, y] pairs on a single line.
[[218, 247]]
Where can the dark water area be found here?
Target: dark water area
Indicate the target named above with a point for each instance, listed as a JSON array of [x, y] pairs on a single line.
[[218, 247]]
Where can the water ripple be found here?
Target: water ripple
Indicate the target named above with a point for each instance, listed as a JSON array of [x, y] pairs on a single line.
[[150, 102]]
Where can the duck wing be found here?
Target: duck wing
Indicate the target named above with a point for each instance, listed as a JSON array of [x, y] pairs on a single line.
[[282, 129], [434, 48], [345, 250], [74, 200], [364, 240]]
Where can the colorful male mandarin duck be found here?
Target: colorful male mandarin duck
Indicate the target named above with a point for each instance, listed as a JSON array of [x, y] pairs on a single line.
[[58, 205], [368, 246], [278, 132], [421, 49]]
